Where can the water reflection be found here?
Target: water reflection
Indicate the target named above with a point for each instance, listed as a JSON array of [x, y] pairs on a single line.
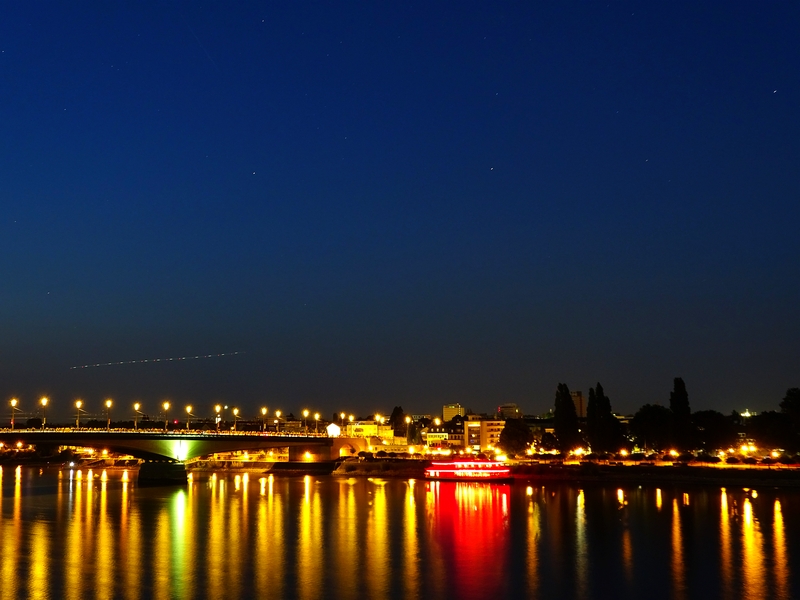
[[99, 535]]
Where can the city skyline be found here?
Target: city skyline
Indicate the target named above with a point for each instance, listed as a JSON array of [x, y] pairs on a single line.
[[406, 205]]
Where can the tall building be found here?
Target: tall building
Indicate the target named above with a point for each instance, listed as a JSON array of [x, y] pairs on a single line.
[[509, 411], [451, 410], [580, 404], [482, 434]]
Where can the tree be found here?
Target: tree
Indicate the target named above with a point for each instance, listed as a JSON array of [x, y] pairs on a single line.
[[650, 427], [565, 420], [715, 431], [771, 429], [397, 420], [679, 400], [516, 437], [790, 406], [603, 429], [682, 430]]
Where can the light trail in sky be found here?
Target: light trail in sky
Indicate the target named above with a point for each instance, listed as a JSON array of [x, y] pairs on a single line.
[[154, 360]]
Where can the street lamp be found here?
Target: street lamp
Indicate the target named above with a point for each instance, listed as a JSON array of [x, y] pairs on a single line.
[[305, 423], [218, 418], [264, 418], [316, 422], [166, 414], [44, 412], [136, 413], [235, 416], [188, 414], [341, 417], [14, 409], [78, 404], [277, 421], [408, 423], [108, 414]]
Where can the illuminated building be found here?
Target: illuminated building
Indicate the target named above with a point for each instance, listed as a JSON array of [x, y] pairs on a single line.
[[452, 410], [509, 411], [482, 434]]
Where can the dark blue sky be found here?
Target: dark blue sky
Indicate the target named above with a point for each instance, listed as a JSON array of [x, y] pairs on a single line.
[[413, 205]]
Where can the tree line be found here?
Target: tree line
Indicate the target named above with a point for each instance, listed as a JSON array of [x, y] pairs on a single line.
[[657, 428]]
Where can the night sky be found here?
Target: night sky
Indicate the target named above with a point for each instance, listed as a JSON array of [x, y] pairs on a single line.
[[409, 204]]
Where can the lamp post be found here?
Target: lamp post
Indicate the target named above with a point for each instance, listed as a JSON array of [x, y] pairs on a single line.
[[78, 404], [166, 414], [264, 418], [217, 418], [408, 424], [44, 411], [316, 422], [277, 421], [108, 414], [136, 413], [235, 416], [14, 409], [188, 415], [341, 417], [305, 422]]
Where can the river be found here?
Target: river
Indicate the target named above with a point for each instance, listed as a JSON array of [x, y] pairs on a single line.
[[73, 534]]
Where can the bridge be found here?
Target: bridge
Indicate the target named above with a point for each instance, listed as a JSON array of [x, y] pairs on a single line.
[[175, 445]]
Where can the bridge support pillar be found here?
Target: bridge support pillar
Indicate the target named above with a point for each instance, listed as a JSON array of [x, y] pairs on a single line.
[[309, 453], [162, 472]]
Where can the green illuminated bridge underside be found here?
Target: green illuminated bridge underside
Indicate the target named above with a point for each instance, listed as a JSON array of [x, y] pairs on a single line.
[[171, 445]]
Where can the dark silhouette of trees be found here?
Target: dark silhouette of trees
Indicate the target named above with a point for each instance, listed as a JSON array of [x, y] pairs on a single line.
[[715, 431], [771, 429], [651, 427], [516, 437], [682, 429], [790, 406], [397, 421], [565, 420], [603, 429]]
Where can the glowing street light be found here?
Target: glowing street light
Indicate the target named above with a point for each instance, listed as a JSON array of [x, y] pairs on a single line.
[[305, 423], [277, 421], [14, 409], [78, 404], [44, 401], [165, 406], [341, 416], [188, 415], [316, 422], [108, 414], [136, 413], [264, 418], [218, 418], [408, 424], [235, 416]]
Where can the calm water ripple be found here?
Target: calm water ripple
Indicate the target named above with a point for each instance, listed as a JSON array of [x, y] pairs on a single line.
[[73, 534]]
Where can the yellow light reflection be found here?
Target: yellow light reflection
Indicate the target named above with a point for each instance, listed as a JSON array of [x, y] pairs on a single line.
[[780, 561], [309, 552], [678, 572], [39, 574], [410, 544], [726, 566], [753, 569], [534, 536], [581, 547], [658, 498]]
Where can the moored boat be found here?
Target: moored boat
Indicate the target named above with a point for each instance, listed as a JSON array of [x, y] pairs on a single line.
[[473, 469]]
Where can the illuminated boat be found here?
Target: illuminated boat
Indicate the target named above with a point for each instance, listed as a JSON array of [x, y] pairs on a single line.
[[468, 470]]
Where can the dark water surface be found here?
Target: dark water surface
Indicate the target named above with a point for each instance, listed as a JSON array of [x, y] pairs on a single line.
[[93, 535]]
